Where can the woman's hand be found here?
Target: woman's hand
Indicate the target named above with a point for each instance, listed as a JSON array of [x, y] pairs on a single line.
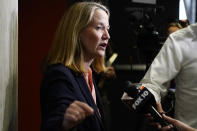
[[75, 113]]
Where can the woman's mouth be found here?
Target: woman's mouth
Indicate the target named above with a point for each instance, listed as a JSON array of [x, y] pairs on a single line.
[[103, 45]]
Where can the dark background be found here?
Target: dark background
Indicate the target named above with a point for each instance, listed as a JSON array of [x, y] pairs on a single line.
[[38, 20]]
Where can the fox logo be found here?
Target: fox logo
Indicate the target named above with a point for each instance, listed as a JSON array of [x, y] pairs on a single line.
[[140, 98]]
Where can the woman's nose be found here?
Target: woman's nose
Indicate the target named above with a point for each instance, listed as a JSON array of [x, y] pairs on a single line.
[[106, 35]]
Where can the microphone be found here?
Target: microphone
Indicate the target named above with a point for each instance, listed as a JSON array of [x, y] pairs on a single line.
[[143, 102], [131, 89], [142, 97]]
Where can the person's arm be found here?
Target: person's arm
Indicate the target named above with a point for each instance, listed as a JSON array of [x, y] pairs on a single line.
[[60, 110], [172, 122], [164, 68], [180, 125]]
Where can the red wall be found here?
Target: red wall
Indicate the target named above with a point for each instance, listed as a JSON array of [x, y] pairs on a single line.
[[38, 20]]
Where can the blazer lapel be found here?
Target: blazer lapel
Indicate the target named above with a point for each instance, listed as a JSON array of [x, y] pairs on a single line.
[[87, 94], [99, 103]]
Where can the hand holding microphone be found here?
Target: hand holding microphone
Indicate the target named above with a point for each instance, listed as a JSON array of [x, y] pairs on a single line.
[[144, 102]]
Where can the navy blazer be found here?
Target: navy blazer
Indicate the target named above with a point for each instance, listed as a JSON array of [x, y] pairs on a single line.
[[59, 88]]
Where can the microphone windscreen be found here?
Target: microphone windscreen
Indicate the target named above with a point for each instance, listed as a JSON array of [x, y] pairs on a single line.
[[130, 89]]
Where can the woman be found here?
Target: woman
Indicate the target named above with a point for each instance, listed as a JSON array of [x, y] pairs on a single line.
[[69, 97]]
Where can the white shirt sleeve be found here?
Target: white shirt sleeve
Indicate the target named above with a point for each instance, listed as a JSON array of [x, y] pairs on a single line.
[[164, 68]]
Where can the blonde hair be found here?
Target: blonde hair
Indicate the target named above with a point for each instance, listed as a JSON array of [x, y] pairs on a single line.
[[175, 24], [66, 47]]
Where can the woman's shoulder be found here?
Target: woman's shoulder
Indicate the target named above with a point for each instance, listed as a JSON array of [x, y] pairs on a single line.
[[58, 71], [56, 67]]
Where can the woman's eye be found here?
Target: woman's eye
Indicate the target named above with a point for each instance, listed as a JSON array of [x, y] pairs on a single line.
[[98, 27]]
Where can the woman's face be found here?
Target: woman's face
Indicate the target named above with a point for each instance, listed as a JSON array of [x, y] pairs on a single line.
[[95, 36]]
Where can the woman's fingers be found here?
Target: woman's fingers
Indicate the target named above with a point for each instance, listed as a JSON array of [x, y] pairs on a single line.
[[75, 113]]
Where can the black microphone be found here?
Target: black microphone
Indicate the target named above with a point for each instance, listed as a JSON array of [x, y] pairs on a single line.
[[131, 89], [143, 102]]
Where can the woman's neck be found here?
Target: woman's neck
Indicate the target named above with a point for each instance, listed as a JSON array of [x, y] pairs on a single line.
[[88, 64]]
